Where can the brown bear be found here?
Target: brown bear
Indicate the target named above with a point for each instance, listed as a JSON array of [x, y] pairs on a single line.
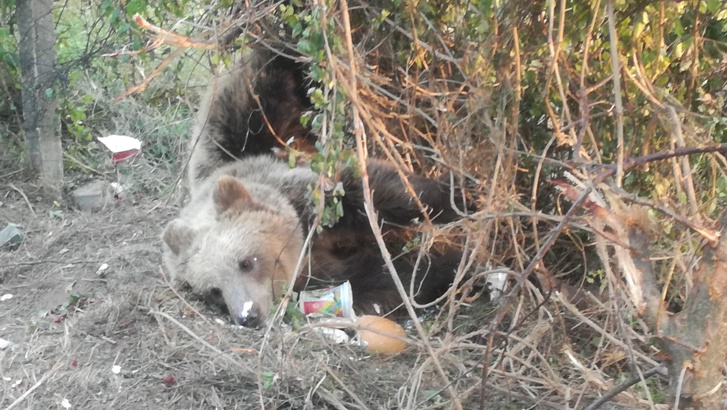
[[239, 239]]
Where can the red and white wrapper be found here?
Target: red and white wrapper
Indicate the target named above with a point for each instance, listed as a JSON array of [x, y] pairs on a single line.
[[122, 147]]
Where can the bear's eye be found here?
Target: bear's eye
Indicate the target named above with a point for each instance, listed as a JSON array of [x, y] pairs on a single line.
[[248, 264]]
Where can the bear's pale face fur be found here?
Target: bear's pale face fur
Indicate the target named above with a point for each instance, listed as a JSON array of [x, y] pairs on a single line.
[[243, 254]]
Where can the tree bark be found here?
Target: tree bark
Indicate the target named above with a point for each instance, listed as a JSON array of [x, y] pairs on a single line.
[[692, 341], [39, 72], [694, 338]]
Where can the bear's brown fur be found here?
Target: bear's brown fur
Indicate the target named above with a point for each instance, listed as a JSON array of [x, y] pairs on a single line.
[[241, 236]]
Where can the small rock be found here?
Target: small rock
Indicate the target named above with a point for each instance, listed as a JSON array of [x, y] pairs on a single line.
[[11, 235], [92, 196]]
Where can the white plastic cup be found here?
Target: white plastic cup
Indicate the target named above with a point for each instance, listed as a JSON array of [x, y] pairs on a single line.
[[330, 302]]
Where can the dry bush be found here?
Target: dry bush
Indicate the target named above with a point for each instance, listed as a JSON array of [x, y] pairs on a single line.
[[520, 106]]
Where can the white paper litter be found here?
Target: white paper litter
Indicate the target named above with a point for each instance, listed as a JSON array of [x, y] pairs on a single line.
[[120, 143]]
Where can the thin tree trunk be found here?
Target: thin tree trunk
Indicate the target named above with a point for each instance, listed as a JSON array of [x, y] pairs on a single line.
[[39, 71]]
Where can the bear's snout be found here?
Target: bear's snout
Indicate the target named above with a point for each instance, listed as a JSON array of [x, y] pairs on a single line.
[[248, 316]]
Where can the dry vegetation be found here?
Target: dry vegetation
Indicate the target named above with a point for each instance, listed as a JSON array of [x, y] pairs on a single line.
[[597, 190]]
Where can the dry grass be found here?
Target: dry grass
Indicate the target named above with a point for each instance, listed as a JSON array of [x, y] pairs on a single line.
[[167, 353], [171, 356]]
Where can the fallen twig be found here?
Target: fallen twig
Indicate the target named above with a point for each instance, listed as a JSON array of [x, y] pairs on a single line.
[[624, 386], [24, 197], [42, 380]]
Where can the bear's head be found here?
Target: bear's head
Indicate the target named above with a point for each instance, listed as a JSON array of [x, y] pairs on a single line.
[[245, 257]]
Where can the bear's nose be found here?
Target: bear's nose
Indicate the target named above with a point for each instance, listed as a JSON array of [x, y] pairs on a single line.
[[249, 317]]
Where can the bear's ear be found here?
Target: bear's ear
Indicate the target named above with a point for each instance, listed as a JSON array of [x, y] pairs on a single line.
[[178, 236], [230, 192]]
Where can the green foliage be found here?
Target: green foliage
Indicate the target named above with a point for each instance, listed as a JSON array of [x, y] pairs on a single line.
[[95, 67], [268, 378], [315, 32], [9, 65]]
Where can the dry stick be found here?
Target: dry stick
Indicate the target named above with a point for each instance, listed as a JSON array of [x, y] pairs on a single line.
[[200, 340], [662, 155], [389, 151], [556, 72], [609, 171], [81, 164], [35, 386], [507, 300], [623, 387], [145, 83], [330, 398], [538, 401], [583, 102], [576, 312], [709, 234], [50, 261], [9, 174], [618, 105], [343, 386], [186, 330], [189, 306], [534, 194], [24, 197], [676, 131], [371, 212], [170, 38], [553, 71]]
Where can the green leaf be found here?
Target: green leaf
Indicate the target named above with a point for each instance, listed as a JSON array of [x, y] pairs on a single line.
[[268, 378]]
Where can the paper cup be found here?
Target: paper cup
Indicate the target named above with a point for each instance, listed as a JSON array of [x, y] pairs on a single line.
[[331, 302]]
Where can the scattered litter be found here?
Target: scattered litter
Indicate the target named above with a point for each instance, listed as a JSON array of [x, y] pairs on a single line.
[[65, 404], [336, 301], [123, 147], [220, 321], [337, 336], [118, 189], [377, 308], [11, 235], [169, 381], [5, 297], [497, 282], [101, 269], [116, 369], [17, 382], [4, 344], [378, 334]]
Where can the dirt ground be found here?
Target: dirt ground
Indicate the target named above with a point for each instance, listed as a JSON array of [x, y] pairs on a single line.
[[79, 335]]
